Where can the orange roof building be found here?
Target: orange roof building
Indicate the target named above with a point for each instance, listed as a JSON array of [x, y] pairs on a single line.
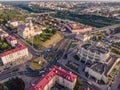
[[56, 75]]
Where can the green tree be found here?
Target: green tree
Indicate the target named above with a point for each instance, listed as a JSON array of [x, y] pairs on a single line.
[[1, 86], [15, 84]]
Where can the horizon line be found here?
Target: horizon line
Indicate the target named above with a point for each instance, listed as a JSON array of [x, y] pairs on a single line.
[[64, 0]]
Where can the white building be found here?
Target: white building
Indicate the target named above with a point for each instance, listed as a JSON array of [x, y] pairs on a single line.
[[26, 31], [29, 30], [53, 76], [93, 52], [13, 23], [12, 55], [11, 41], [83, 37], [19, 50], [101, 71]]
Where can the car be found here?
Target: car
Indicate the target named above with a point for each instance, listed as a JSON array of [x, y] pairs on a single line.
[[109, 88], [89, 82]]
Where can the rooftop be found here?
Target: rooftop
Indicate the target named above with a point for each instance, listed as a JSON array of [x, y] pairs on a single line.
[[50, 75], [104, 68], [95, 48], [74, 26], [10, 38], [19, 47], [98, 67]]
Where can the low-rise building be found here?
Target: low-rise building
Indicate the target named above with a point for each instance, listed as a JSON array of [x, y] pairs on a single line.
[[56, 75], [74, 28], [11, 41], [18, 52], [13, 23], [101, 71], [83, 37]]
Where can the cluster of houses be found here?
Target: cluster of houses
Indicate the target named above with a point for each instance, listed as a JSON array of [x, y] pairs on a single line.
[[18, 51]]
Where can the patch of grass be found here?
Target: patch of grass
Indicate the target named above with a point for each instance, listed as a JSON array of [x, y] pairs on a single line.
[[118, 64], [72, 67], [116, 51], [38, 63], [101, 82], [51, 56], [65, 56], [113, 71], [76, 57], [4, 46], [78, 84], [56, 37], [109, 79]]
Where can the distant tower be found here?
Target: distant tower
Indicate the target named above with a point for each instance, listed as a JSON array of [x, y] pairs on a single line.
[[31, 27]]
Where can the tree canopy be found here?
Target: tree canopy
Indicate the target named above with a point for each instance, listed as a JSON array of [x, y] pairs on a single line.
[[15, 84]]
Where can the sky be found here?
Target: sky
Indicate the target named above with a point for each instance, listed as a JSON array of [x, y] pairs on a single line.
[[63, 0]]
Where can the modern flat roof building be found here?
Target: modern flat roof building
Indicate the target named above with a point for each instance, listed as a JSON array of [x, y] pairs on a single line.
[[93, 52], [101, 71]]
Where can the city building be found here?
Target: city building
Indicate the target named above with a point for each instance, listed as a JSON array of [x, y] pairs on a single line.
[[74, 28], [10, 56], [29, 30], [83, 37], [11, 41], [53, 76], [13, 23], [17, 51], [93, 52], [26, 30], [100, 71]]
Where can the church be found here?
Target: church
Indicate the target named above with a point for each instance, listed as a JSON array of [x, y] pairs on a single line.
[[29, 30], [26, 30]]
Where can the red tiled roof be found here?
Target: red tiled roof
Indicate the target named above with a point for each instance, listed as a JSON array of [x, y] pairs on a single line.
[[74, 27], [19, 47], [10, 38], [50, 75]]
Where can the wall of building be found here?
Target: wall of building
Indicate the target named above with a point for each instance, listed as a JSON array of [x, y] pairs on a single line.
[[14, 56]]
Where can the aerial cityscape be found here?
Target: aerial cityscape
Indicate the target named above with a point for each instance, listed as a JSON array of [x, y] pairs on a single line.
[[60, 45]]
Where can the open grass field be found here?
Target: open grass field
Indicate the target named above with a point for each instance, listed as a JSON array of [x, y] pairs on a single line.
[[54, 39], [4, 46]]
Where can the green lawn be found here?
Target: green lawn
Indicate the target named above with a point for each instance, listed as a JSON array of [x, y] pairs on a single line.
[[76, 57], [72, 67], [4, 46], [78, 84], [65, 56], [51, 56], [45, 40], [38, 63], [116, 51]]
